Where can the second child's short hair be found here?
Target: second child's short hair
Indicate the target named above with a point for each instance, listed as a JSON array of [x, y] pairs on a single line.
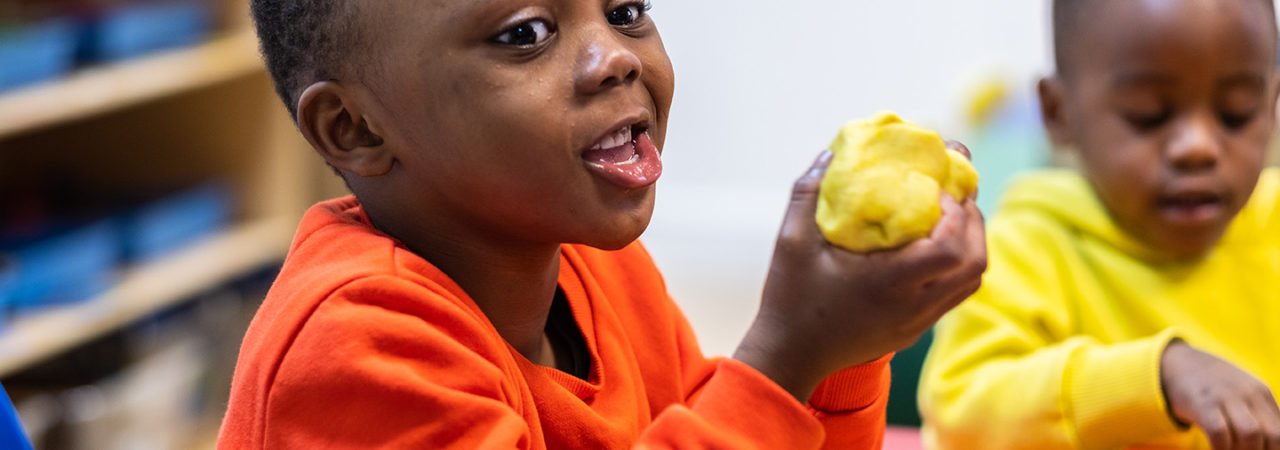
[[306, 41], [1068, 17]]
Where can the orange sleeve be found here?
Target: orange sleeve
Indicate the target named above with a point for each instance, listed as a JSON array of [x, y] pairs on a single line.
[[403, 382], [732, 405], [851, 404]]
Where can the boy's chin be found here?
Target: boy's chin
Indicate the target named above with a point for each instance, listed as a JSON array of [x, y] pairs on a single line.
[[617, 241], [610, 246], [617, 237]]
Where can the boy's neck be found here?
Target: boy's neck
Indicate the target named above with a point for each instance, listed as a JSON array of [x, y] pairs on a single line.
[[514, 291], [513, 286]]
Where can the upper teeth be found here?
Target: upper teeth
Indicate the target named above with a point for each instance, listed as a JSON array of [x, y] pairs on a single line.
[[616, 139]]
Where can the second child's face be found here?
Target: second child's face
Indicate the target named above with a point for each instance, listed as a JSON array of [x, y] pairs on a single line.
[[1170, 105], [526, 120]]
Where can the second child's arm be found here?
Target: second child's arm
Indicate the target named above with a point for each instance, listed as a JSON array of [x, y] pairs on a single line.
[[1235, 409], [1008, 370]]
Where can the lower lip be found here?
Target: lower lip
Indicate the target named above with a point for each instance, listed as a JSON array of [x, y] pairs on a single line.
[[1193, 215], [641, 169]]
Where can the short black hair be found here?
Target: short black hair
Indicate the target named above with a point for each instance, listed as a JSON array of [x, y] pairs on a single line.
[[306, 41], [1068, 16]]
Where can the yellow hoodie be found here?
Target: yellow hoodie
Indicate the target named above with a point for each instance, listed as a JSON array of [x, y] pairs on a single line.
[[1061, 347]]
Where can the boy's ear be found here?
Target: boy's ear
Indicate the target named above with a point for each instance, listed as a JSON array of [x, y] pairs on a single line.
[[333, 121], [1052, 92]]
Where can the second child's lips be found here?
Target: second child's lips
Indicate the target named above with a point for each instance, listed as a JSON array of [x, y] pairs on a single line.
[[633, 165], [1192, 211]]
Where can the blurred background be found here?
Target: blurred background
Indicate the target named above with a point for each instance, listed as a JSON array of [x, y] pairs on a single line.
[[151, 181], [150, 184]]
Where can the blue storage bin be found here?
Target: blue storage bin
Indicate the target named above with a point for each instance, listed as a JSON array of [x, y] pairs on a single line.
[[12, 436], [132, 30], [37, 52], [175, 221], [62, 266]]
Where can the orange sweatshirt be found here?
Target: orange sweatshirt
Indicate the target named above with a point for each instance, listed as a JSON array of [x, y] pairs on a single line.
[[363, 344]]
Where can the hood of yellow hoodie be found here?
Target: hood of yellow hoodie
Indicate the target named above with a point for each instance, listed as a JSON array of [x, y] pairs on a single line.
[[1067, 197]]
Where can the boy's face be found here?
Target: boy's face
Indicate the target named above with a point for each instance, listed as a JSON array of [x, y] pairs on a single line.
[[1170, 105], [524, 120]]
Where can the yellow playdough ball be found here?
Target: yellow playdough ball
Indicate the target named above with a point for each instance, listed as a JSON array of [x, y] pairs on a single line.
[[883, 186]]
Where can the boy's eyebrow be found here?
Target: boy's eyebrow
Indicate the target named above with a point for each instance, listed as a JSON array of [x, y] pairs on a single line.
[[478, 11]]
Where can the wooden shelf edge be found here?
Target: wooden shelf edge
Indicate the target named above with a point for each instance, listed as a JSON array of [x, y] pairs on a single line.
[[144, 290], [103, 89]]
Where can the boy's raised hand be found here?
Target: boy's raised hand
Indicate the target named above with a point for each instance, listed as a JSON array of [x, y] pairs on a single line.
[[1236, 410], [825, 308]]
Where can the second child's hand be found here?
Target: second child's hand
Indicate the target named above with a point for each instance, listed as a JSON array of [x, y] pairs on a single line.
[[1236, 410], [825, 308]]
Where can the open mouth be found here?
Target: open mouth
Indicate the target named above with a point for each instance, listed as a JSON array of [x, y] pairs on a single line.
[[617, 147], [625, 157]]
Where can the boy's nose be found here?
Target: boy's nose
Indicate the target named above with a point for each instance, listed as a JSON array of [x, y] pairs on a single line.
[[606, 62], [1196, 146]]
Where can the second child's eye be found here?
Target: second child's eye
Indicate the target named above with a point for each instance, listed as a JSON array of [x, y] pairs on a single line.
[[526, 34], [1236, 121], [628, 14]]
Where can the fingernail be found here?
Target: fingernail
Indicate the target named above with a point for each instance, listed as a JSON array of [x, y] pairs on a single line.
[[825, 156], [820, 164]]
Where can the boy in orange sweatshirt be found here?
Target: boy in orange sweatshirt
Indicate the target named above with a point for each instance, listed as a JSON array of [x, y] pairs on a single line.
[[482, 289]]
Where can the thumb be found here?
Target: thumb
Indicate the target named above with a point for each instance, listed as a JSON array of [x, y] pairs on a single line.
[[800, 218]]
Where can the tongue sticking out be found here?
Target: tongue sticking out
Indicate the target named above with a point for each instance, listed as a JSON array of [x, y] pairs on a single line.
[[632, 165]]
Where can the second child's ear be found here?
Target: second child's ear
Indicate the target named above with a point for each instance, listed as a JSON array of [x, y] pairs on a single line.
[[1053, 110], [332, 120], [1275, 90]]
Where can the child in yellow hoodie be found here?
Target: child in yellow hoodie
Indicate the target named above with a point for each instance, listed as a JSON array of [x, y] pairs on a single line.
[[1135, 304]]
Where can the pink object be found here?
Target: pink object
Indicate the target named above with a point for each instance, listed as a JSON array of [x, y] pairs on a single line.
[[902, 438]]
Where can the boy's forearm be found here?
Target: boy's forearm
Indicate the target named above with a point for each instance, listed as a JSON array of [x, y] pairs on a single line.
[[766, 349], [850, 403]]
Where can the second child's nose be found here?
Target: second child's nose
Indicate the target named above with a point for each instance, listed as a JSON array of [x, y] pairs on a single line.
[[606, 63], [1196, 146]]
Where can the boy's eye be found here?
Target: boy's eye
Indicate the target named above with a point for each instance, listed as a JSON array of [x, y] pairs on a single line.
[[628, 14], [526, 34], [1149, 122]]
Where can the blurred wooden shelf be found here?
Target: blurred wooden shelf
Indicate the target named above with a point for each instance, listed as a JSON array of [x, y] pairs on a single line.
[[100, 90], [144, 290]]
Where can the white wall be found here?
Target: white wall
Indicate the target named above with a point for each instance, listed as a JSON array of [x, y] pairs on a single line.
[[762, 86]]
